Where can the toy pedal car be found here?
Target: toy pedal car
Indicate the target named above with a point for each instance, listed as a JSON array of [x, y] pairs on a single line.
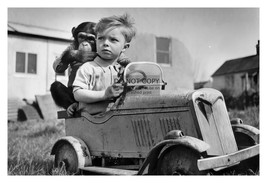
[[149, 130]]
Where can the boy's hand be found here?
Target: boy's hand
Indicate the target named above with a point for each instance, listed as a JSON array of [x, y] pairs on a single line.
[[113, 91]]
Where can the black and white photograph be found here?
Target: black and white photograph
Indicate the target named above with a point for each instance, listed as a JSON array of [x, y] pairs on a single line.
[[132, 91]]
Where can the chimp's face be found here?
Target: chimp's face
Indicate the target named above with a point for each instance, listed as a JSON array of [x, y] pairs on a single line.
[[84, 38]]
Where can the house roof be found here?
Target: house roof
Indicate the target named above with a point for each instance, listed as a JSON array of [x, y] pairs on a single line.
[[249, 63], [36, 31]]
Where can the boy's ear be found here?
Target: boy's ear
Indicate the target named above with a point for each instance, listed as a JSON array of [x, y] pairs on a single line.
[[127, 45]]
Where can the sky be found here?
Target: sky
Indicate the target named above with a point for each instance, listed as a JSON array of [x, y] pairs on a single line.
[[211, 35]]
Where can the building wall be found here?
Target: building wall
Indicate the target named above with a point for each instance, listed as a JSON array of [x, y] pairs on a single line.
[[238, 88], [23, 85], [218, 82], [232, 82], [179, 74]]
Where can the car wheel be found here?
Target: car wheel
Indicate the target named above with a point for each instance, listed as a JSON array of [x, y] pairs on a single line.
[[179, 160], [66, 156]]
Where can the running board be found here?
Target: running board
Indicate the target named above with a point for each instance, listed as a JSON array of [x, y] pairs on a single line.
[[108, 171]]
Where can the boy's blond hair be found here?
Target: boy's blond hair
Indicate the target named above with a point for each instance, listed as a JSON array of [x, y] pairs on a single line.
[[123, 21]]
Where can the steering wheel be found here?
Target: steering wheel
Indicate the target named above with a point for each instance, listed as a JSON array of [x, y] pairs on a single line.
[[144, 77]]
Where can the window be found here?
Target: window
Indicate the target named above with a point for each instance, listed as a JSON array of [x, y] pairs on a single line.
[[163, 46], [26, 63], [32, 58], [20, 62]]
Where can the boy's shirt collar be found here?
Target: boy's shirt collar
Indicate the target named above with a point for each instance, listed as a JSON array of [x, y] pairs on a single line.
[[100, 62]]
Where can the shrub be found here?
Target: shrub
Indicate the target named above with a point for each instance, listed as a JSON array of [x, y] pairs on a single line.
[[241, 102]]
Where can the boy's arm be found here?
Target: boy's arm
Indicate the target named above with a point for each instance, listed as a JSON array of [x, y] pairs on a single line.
[[90, 96], [83, 84]]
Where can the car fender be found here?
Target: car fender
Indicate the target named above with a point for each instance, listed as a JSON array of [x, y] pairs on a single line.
[[236, 121], [188, 141], [248, 130], [81, 149]]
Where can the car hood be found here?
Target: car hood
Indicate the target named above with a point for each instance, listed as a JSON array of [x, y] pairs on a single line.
[[163, 100]]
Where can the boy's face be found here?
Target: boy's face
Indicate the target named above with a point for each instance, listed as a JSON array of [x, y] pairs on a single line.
[[110, 43]]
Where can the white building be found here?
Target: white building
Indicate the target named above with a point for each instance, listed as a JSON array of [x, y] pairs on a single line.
[[31, 52]]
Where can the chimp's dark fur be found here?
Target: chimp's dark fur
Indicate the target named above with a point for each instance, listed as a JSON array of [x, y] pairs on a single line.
[[61, 94]]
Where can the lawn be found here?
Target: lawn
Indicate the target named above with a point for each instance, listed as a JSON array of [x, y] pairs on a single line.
[[29, 146]]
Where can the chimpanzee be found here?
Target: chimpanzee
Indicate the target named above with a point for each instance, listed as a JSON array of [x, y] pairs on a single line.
[[81, 50]]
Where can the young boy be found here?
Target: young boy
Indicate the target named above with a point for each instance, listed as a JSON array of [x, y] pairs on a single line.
[[94, 81]]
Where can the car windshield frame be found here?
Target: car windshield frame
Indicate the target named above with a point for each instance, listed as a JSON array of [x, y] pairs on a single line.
[[161, 80]]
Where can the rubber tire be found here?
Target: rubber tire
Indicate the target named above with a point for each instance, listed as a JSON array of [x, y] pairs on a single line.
[[67, 155], [179, 160]]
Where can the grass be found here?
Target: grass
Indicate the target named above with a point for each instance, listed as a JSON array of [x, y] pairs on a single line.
[[250, 116], [30, 144], [29, 147]]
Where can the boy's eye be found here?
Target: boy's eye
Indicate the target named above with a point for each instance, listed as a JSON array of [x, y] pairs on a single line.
[[100, 38], [114, 39]]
